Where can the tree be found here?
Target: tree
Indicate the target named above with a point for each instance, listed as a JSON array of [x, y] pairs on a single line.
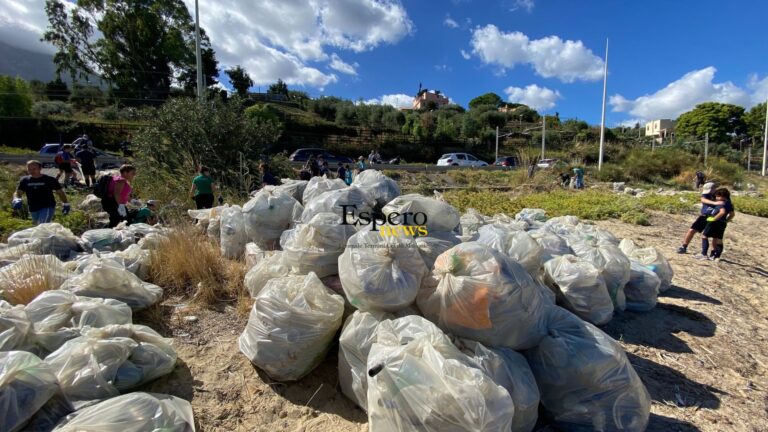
[[279, 87], [15, 97], [87, 97], [140, 48], [240, 80], [722, 122], [57, 90], [486, 99], [755, 120]]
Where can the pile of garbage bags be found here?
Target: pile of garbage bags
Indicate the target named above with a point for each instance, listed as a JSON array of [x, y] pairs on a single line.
[[315, 246], [378, 186], [268, 214], [54, 239], [318, 186]]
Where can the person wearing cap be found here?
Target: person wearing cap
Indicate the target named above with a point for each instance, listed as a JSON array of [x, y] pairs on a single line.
[[146, 214], [708, 205]]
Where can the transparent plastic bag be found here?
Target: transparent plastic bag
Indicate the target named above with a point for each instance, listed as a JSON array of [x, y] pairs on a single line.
[[432, 247], [254, 254], [418, 381], [509, 222], [10, 254], [54, 239], [90, 203], [291, 326], [592, 234], [319, 185], [332, 202], [440, 215], [477, 293], [105, 361], [106, 240], [580, 288], [381, 273], [378, 186], [585, 379], [108, 279], [315, 246], [141, 230], [233, 235], [291, 187], [651, 258], [134, 259], [26, 384], [509, 369], [32, 274], [15, 327], [267, 215], [471, 221], [531, 215], [133, 412], [517, 245], [642, 290], [552, 245], [613, 266], [271, 267]]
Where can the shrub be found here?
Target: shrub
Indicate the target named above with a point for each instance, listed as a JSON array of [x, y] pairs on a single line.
[[45, 109], [610, 173], [660, 166]]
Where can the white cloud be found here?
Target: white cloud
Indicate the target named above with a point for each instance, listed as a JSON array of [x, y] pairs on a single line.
[[682, 95], [443, 68], [466, 55], [361, 25], [538, 98], [550, 56], [759, 89], [523, 4], [449, 22], [340, 65], [22, 23], [399, 100]]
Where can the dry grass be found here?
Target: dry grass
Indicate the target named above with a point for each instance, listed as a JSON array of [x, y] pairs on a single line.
[[29, 277]]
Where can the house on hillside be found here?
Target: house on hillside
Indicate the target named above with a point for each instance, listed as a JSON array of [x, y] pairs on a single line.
[[659, 129], [424, 98]]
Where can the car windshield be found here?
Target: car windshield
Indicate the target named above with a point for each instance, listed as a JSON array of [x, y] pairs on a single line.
[[445, 156]]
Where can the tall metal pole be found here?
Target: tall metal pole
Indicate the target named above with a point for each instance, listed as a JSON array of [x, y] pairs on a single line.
[[543, 134], [200, 84], [602, 121], [765, 137], [706, 148], [497, 144]]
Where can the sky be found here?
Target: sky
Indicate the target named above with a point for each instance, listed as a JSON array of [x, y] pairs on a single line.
[[665, 56]]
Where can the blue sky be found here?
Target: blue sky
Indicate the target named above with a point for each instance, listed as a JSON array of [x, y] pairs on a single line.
[[665, 56]]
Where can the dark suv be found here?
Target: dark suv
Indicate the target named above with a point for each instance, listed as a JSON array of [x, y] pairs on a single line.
[[507, 161], [302, 155]]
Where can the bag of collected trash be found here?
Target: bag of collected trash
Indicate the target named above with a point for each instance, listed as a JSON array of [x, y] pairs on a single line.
[[319, 185], [592, 234], [418, 381], [552, 245], [26, 384], [332, 202], [517, 245], [267, 215], [613, 266], [432, 247], [214, 223], [91, 203], [272, 266], [21, 281], [580, 288], [568, 220], [439, 215], [477, 293], [651, 258], [105, 361], [291, 187], [291, 326], [254, 254], [532, 216], [106, 240], [381, 273], [108, 279], [233, 235], [509, 369], [315, 246], [378, 186], [471, 221], [141, 230], [9, 254], [15, 327], [134, 259], [133, 412], [57, 316], [642, 290], [152, 241], [54, 239], [585, 379]]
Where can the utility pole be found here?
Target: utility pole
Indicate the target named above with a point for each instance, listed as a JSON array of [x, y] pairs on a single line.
[[749, 155], [602, 121], [765, 136], [497, 144], [706, 147], [200, 84], [543, 134]]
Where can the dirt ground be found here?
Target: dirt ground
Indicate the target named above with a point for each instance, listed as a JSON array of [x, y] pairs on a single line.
[[702, 352]]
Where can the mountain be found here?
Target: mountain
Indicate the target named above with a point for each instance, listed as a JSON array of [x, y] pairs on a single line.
[[26, 64]]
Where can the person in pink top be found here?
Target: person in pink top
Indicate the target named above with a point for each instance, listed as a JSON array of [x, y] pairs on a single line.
[[118, 195]]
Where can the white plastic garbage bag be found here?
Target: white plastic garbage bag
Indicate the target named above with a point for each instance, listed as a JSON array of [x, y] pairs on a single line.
[[580, 288], [152, 241], [292, 324], [267, 215], [141, 230], [357, 200], [509, 222], [471, 221], [477, 293], [233, 235], [106, 240], [613, 266], [32, 274], [378, 186], [13, 253], [57, 316], [552, 245], [642, 290], [432, 247], [90, 203], [585, 379], [531, 215], [440, 216], [381, 273], [517, 245], [26, 384], [134, 259], [315, 246], [272, 266], [418, 381], [133, 412], [509, 369], [105, 361], [291, 187], [54, 239], [108, 279], [319, 185], [592, 234], [15, 327], [254, 254], [651, 258]]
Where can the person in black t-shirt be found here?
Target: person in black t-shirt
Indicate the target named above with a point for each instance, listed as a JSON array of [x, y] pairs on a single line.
[[39, 189], [87, 158]]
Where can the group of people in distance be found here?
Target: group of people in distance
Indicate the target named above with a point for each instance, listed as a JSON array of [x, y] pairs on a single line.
[[575, 181], [716, 211], [318, 166]]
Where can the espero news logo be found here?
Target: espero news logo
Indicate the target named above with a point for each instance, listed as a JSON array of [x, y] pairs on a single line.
[[394, 224]]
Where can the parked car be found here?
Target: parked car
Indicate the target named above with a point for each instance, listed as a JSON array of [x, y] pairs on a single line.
[[546, 163], [302, 155], [460, 159], [104, 160], [507, 161]]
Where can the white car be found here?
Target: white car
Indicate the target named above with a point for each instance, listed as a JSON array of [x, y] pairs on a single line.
[[460, 159], [546, 163]]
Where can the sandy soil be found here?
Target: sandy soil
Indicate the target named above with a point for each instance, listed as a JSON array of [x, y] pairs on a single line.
[[702, 352]]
